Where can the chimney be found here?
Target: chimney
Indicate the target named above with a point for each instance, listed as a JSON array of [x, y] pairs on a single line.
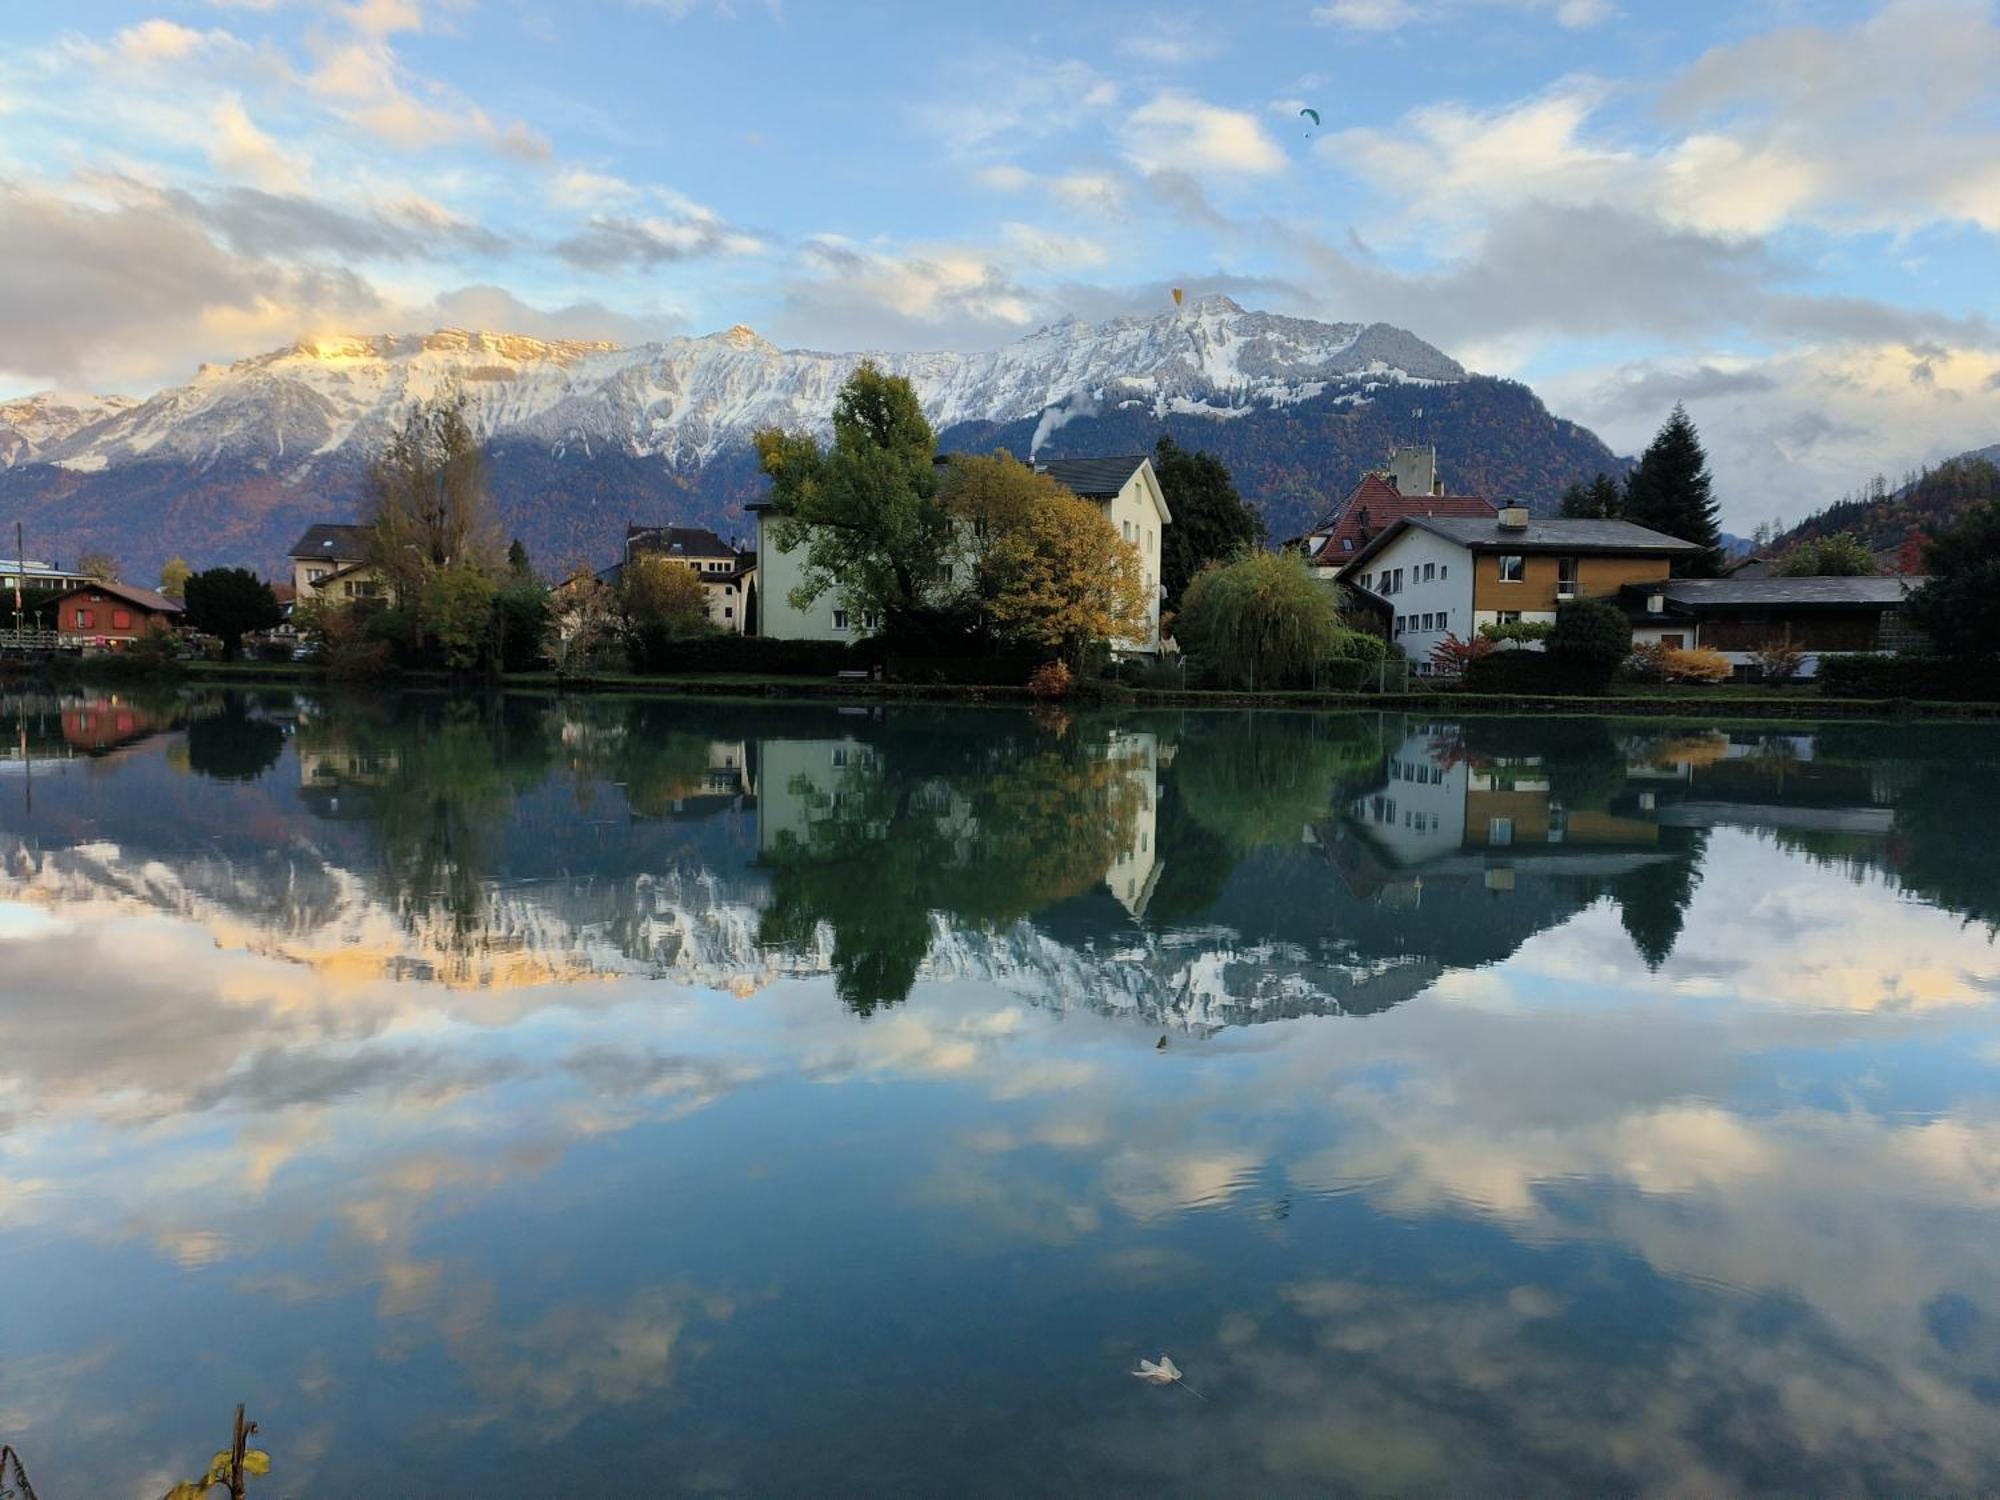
[[1514, 517], [1656, 604]]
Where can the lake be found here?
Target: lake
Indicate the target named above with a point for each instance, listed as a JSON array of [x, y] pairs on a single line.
[[635, 1097]]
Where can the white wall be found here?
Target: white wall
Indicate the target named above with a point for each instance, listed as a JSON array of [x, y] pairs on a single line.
[[1447, 594], [778, 573], [1135, 516], [1419, 815]]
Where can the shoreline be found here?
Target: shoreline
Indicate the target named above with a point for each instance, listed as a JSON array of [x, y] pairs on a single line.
[[1723, 703]]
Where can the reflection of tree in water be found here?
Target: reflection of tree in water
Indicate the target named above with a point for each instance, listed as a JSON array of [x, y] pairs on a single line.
[[1261, 778], [987, 827], [1653, 900], [232, 744], [438, 807]]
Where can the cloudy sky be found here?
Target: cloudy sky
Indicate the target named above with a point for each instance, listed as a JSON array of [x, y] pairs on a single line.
[[1783, 213]]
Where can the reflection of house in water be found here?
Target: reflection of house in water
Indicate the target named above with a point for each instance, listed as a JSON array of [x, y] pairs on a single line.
[[1773, 782], [1444, 811], [1135, 872], [803, 781], [94, 725]]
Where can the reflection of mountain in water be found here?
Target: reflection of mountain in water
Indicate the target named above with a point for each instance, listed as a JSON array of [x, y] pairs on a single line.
[[1195, 871]]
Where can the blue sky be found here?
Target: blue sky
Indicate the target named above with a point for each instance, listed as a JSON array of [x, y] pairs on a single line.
[[1783, 214]]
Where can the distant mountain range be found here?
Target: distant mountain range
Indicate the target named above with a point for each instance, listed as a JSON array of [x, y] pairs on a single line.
[[584, 437]]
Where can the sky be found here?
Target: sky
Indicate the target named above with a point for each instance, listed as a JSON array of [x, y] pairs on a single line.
[[1784, 214]]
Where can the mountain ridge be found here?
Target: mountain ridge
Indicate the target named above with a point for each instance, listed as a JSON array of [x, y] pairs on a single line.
[[585, 435]]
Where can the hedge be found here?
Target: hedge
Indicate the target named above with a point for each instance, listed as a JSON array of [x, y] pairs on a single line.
[[1941, 679], [1536, 672], [763, 654], [966, 671]]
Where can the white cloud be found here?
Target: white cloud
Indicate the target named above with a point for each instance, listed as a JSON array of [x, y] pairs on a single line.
[[1366, 15], [1052, 250], [1176, 132], [1010, 100], [1173, 41], [1393, 15], [242, 151]]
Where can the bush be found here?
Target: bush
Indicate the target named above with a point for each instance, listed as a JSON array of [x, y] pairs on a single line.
[[1451, 656], [1697, 664], [969, 671], [1051, 679], [1536, 674], [1357, 645], [1518, 632], [1779, 660], [1939, 679], [1591, 634], [1647, 663], [763, 654]]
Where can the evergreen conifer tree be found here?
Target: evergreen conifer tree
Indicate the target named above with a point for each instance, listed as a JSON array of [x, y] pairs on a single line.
[[1671, 492]]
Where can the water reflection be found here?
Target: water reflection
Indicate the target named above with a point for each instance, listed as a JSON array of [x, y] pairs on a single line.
[[532, 1086]]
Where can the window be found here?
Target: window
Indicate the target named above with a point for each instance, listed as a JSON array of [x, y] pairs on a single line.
[[1347, 545], [314, 575], [1566, 578], [1401, 621], [1126, 527], [1430, 620], [1509, 616], [728, 612], [1443, 569], [1513, 567], [840, 757], [85, 619], [121, 619], [1430, 571], [1499, 832], [840, 619], [1673, 642]]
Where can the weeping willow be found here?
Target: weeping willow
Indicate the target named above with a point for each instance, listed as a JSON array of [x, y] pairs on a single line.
[[1260, 619]]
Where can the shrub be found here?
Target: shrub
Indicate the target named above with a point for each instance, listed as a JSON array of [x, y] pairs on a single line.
[[1357, 645], [1051, 680], [763, 654], [966, 671], [1697, 664], [1518, 632], [1534, 674], [1451, 656], [1648, 662], [1591, 633], [1939, 679], [1779, 660]]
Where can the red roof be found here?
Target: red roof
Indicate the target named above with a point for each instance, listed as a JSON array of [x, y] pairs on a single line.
[[1376, 505], [146, 599]]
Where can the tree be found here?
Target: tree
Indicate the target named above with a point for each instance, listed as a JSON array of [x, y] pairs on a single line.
[[660, 601], [174, 577], [1843, 555], [1591, 635], [229, 603], [866, 509], [101, 566], [518, 566], [1261, 618], [1600, 500], [1958, 606], [457, 607], [233, 745], [585, 634], [1210, 520], [1063, 578], [428, 504], [1670, 492]]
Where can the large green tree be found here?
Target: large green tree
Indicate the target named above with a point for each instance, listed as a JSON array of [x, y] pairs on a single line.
[[1958, 606], [1210, 520], [1672, 492], [1262, 619], [229, 603], [865, 510]]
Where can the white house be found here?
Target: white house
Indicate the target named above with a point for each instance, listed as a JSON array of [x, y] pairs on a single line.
[[1125, 488]]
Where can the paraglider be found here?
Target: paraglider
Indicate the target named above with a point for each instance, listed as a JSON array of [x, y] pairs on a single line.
[[1309, 113], [1178, 295]]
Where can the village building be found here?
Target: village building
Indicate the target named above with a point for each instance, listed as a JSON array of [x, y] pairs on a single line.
[[1408, 486], [1449, 575], [330, 563], [1737, 615], [111, 616], [728, 573], [1125, 488]]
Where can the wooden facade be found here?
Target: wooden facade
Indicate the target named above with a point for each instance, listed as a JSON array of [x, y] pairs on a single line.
[[1539, 590]]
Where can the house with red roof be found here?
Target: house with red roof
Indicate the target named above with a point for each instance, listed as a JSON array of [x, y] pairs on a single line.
[[1408, 487], [111, 616]]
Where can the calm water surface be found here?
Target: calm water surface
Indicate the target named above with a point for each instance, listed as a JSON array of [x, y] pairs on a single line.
[[538, 1097]]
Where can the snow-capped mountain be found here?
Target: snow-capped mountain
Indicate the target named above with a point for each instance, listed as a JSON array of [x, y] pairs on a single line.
[[32, 426], [585, 437], [687, 399]]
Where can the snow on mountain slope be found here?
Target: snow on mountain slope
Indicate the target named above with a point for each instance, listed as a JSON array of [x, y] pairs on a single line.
[[687, 399], [32, 425]]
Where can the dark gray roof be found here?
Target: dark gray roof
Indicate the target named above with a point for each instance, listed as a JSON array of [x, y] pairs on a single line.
[[1686, 594], [1554, 534], [1092, 478], [335, 543], [678, 541]]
